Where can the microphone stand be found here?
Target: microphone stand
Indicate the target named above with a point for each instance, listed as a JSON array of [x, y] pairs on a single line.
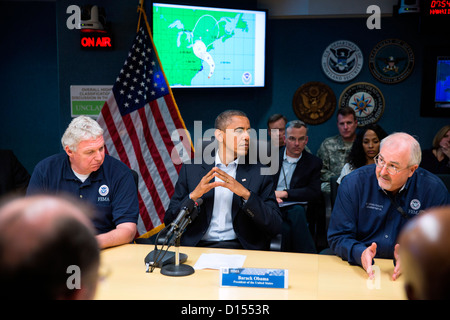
[[156, 257], [177, 269]]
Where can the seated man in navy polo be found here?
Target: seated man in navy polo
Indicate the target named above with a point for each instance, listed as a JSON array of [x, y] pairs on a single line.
[[86, 172], [375, 201]]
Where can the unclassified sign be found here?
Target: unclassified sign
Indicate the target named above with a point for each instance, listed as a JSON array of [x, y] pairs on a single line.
[[88, 100]]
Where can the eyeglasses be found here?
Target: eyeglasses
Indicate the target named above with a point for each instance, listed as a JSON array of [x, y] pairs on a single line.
[[390, 168]]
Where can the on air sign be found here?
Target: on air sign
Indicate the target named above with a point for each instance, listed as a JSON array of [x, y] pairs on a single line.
[[96, 40], [95, 31]]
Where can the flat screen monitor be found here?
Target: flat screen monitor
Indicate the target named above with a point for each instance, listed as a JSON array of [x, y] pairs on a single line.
[[208, 47], [435, 100], [442, 91]]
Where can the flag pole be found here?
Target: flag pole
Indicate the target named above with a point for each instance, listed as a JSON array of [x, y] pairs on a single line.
[[140, 10]]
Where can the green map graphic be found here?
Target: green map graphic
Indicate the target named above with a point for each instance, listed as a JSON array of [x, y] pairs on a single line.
[[204, 47]]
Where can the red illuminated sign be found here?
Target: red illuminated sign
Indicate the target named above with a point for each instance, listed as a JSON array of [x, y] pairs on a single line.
[[102, 42], [96, 40], [437, 7], [435, 17]]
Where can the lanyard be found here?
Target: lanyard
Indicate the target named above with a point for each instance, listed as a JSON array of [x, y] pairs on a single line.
[[285, 179], [399, 209]]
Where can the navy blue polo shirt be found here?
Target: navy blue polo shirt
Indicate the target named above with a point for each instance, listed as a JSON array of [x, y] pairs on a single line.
[[363, 213], [111, 189]]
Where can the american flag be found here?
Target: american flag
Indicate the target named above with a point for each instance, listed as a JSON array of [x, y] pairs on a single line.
[[142, 125]]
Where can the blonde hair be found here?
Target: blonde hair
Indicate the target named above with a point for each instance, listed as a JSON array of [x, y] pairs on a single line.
[[439, 135]]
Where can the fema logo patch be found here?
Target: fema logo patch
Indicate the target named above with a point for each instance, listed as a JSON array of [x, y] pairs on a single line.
[[367, 101], [391, 61], [342, 61], [103, 190], [415, 204]]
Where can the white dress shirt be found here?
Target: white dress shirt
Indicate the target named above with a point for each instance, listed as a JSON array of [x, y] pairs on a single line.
[[221, 226], [287, 169]]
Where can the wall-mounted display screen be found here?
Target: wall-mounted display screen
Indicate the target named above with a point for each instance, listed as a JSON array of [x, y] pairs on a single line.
[[436, 82], [208, 47], [442, 91]]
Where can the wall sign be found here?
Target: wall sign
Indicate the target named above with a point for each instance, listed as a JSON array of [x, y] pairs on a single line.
[[314, 102], [342, 61], [391, 61], [88, 100], [96, 40], [367, 101]]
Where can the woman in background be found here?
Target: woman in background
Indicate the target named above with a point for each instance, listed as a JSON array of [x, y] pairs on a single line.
[[436, 159], [365, 147]]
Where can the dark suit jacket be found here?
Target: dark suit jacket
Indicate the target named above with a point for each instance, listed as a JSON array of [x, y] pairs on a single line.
[[13, 176], [255, 222], [305, 182]]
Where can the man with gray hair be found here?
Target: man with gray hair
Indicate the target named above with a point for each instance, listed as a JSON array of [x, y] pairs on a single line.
[[375, 201], [298, 180], [85, 171]]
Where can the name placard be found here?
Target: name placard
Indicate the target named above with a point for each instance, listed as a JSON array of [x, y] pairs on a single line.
[[254, 277]]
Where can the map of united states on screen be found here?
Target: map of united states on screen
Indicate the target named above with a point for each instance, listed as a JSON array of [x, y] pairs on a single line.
[[209, 47]]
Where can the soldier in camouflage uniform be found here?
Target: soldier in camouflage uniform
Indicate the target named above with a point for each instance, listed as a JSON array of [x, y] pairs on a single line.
[[334, 150]]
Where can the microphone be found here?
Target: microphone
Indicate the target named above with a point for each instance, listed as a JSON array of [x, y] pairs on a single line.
[[185, 210], [183, 218], [159, 258], [194, 213], [176, 269]]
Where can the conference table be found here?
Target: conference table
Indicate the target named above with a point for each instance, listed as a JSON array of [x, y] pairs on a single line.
[[310, 276]]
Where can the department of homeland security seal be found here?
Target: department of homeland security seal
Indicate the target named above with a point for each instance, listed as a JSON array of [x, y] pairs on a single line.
[[314, 102], [342, 61], [367, 101], [103, 190], [415, 204], [391, 61]]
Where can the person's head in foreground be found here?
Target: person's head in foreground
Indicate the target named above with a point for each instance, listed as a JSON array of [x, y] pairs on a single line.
[[47, 249], [425, 255]]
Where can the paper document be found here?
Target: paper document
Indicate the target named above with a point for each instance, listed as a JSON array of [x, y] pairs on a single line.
[[217, 261]]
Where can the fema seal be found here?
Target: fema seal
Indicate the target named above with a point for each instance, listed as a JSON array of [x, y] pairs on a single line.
[[415, 204], [367, 101], [314, 102], [342, 61], [103, 190], [391, 61]]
